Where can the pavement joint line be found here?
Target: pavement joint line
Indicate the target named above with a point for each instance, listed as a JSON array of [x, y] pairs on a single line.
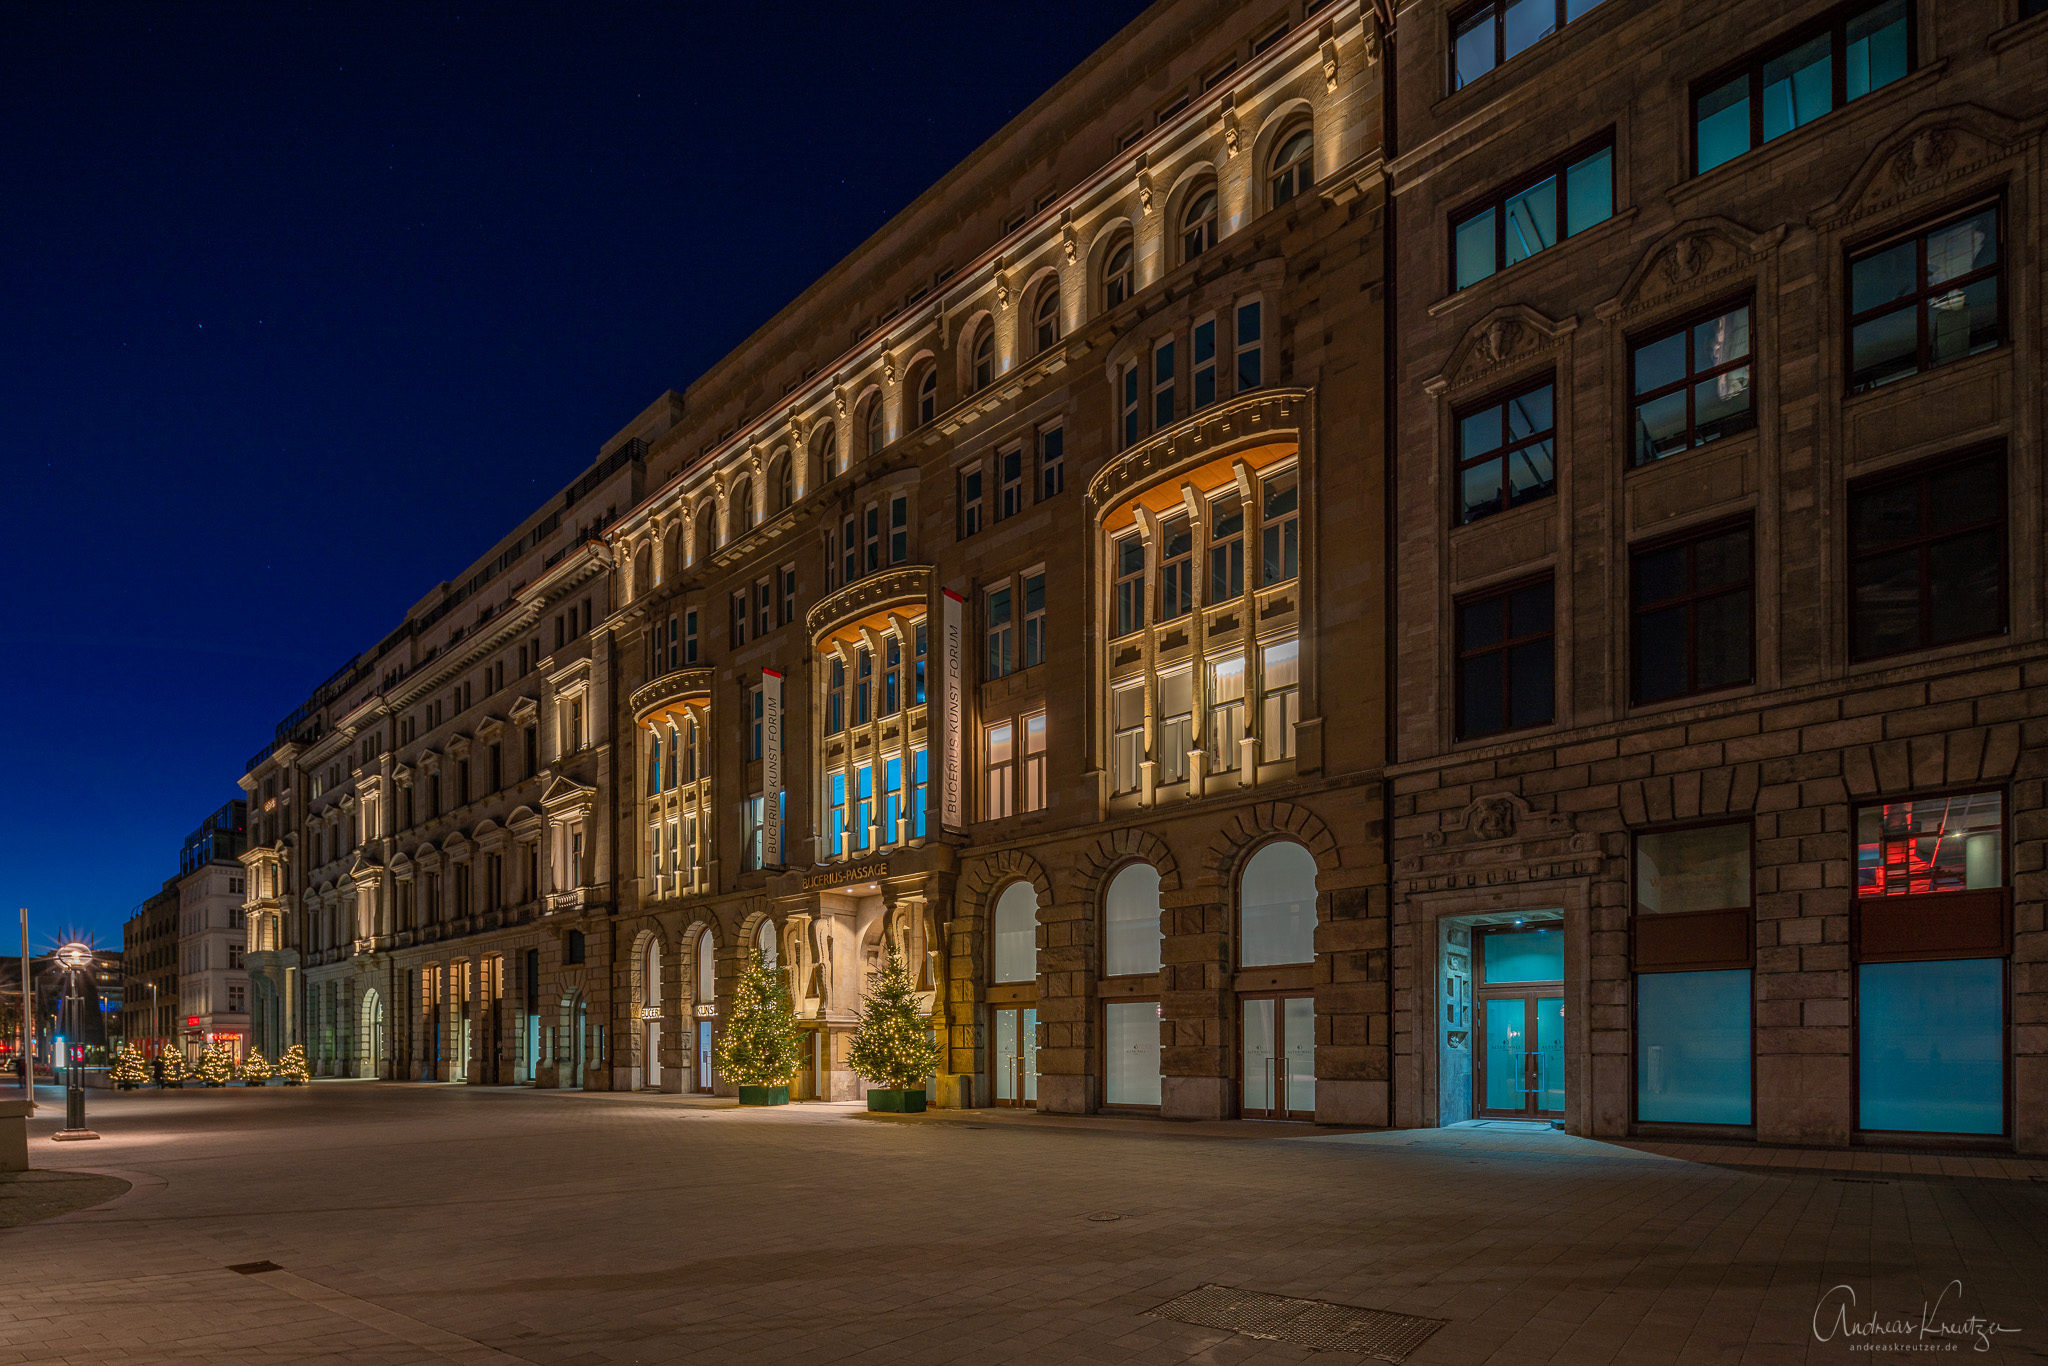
[[404, 1327]]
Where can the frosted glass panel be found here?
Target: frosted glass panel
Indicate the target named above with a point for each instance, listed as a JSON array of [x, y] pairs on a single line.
[[1525, 956], [1017, 934], [1506, 1026], [1693, 1047], [1027, 1038], [1298, 1032], [1259, 1066], [1277, 907], [1931, 1046], [1132, 1072], [1006, 1055], [1693, 870], [1131, 922], [1549, 1079]]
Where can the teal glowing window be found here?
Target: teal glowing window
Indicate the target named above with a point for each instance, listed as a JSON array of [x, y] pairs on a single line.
[[1930, 1040], [1497, 31], [1933, 298], [1524, 956], [1798, 81], [1533, 213], [1693, 1046]]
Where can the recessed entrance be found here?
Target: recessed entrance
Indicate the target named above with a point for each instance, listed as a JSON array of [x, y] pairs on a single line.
[[1279, 1056], [1518, 1065], [1015, 1063]]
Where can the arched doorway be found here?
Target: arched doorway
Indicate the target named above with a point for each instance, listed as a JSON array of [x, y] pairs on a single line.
[[491, 1000], [1276, 928], [650, 1015], [372, 1050], [1013, 997], [707, 1008]]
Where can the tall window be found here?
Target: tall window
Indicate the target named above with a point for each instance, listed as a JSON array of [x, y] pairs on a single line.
[[1280, 532], [1127, 404], [1127, 720], [1176, 725], [756, 705], [920, 764], [998, 778], [1794, 83], [899, 530], [864, 807], [1536, 211], [871, 539], [1690, 940], [1205, 362], [970, 500], [849, 544], [863, 684], [784, 486], [1016, 934], [1692, 611], [1485, 35], [1045, 319], [1130, 922], [1692, 385], [1276, 906], [742, 514], [835, 830], [892, 675], [996, 610], [1128, 557], [1504, 660], [1279, 696], [923, 640], [1162, 385], [764, 607], [1250, 348], [1932, 298], [828, 454], [1226, 547], [1117, 276], [1034, 618], [876, 437], [1034, 761], [1176, 568], [739, 618], [983, 367], [788, 578], [1293, 167], [1052, 461], [928, 391], [1927, 557], [1225, 725], [1198, 225], [835, 696], [1009, 482], [1507, 453], [892, 799]]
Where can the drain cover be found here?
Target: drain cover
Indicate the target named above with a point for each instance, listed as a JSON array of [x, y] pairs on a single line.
[[1104, 1216], [1315, 1324]]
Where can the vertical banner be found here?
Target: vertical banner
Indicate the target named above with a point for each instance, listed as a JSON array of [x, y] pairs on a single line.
[[952, 713], [771, 769]]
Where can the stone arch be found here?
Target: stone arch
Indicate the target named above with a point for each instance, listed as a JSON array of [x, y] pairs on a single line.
[[1980, 754], [986, 878], [1041, 282], [1246, 830], [1701, 793], [703, 527], [1109, 235], [687, 958], [643, 569], [1194, 177], [1279, 123], [671, 553], [781, 474], [981, 322], [870, 415], [1093, 870]]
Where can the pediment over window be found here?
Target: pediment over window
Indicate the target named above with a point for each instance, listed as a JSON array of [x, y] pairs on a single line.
[[1925, 159], [1694, 258], [1509, 339], [525, 711], [565, 793]]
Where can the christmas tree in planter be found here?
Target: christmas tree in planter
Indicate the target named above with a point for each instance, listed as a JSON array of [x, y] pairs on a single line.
[[890, 1049], [255, 1070], [217, 1067], [174, 1066], [130, 1069], [759, 1046], [291, 1068]]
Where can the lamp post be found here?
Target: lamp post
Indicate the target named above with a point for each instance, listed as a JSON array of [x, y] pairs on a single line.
[[76, 960]]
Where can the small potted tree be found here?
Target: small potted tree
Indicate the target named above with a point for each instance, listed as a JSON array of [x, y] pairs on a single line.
[[759, 1046], [255, 1069], [173, 1068], [130, 1069], [216, 1066], [291, 1068], [890, 1050]]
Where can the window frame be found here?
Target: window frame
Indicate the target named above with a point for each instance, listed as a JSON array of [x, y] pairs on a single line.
[[1916, 472], [1503, 647], [1204, 368], [1918, 233], [1691, 538], [928, 395], [1463, 13], [1009, 482], [1500, 398], [971, 506], [1048, 294], [1122, 283], [1050, 444], [1684, 324], [1206, 227], [1301, 171], [1496, 200]]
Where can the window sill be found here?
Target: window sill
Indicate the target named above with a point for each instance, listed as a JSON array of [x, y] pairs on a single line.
[[1928, 654], [2018, 32], [1457, 299], [1945, 375], [1733, 692]]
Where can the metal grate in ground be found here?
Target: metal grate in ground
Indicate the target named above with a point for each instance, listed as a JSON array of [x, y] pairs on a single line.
[[1314, 1324]]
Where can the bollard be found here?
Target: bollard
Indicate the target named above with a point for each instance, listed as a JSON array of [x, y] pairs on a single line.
[[13, 1135]]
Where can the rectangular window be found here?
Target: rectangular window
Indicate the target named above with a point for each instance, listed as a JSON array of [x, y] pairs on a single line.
[[788, 594], [1535, 212], [1927, 846], [756, 704], [764, 607], [1052, 461], [892, 800], [1692, 385], [1504, 660], [739, 618], [1034, 618], [1500, 30], [1010, 486], [1176, 726], [690, 636], [996, 613], [849, 545], [1162, 385], [1690, 940], [863, 684], [1930, 1046], [864, 807], [970, 500], [1129, 557], [1034, 762], [871, 542], [921, 773], [1280, 503], [1226, 547], [1250, 353], [750, 834], [1815, 72], [899, 530], [923, 640], [1205, 363], [1927, 557], [999, 780], [1507, 454], [1127, 718], [835, 831], [1279, 698], [1225, 725], [1176, 568], [1933, 298], [835, 696], [892, 675], [1128, 406], [1692, 607]]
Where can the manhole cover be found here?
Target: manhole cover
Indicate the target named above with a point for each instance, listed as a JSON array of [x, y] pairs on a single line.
[[1315, 1324], [1104, 1216]]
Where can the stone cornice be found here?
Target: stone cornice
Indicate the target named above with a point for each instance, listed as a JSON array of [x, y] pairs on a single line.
[[669, 689], [905, 584], [1248, 420]]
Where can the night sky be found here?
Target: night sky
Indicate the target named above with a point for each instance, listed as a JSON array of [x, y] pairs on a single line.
[[305, 306]]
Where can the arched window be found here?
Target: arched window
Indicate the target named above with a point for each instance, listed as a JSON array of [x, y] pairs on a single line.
[[1016, 934], [875, 434], [928, 389], [828, 454], [650, 975], [1276, 907], [764, 939], [984, 371], [1198, 225], [1045, 319], [1293, 167], [740, 511], [700, 544], [783, 482], [1130, 922], [1117, 277], [707, 970]]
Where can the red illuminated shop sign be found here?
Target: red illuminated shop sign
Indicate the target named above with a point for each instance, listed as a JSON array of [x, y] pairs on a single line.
[[191, 1019]]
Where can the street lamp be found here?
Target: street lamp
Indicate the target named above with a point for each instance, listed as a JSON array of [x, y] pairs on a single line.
[[76, 960]]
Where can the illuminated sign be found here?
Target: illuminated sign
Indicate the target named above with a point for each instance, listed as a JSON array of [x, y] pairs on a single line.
[[852, 872], [951, 724], [771, 769], [650, 1012], [707, 1012], [191, 1019]]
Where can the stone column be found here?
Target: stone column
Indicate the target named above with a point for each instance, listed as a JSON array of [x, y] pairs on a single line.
[[1195, 1006], [1068, 1062]]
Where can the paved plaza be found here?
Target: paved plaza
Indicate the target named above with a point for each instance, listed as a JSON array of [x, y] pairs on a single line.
[[429, 1224]]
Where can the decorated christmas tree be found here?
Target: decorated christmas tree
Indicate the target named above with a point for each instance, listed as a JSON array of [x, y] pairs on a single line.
[[759, 1045], [174, 1066], [255, 1070], [217, 1067], [889, 1044], [291, 1068], [130, 1069]]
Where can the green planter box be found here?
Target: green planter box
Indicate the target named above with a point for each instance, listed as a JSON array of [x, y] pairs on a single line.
[[764, 1095], [897, 1102]]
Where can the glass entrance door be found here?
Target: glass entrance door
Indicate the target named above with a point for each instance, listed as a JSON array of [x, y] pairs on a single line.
[[1520, 1071], [1279, 1057], [1015, 1064], [704, 1078]]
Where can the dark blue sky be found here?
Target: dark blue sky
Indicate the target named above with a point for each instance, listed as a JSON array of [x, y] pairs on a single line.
[[302, 306]]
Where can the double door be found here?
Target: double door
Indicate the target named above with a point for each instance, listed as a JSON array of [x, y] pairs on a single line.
[[1519, 1064], [1015, 1060], [1279, 1057]]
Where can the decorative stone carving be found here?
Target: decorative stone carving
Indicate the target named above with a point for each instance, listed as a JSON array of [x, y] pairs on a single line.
[[1002, 291], [889, 371], [1498, 840], [1372, 39], [839, 403], [1070, 244], [1230, 131], [1927, 152], [1495, 817], [1694, 258], [1499, 340], [1942, 152], [1145, 192], [1684, 259], [1330, 64]]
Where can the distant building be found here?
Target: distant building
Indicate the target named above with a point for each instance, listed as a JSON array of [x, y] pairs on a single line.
[[213, 983], [149, 960]]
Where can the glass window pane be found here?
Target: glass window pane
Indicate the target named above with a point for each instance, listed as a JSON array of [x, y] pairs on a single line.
[[1480, 491], [1298, 1035], [1693, 870], [1475, 248], [1962, 247], [1529, 610], [1962, 581], [1524, 956], [1131, 923], [1886, 593], [1660, 427], [1721, 123], [1693, 1045], [1885, 514], [1473, 47], [1877, 48], [1260, 1061], [1531, 412], [1131, 1030], [1479, 433], [1720, 340], [1660, 655], [1884, 349], [1881, 277], [1529, 683], [1016, 934], [1930, 844], [1961, 496], [1722, 625], [1930, 1041], [1962, 322], [1575, 8], [1480, 700], [1799, 86], [1721, 405], [1527, 22], [1532, 472], [1507, 1024], [1589, 192], [1532, 221], [1481, 624], [1660, 363], [1549, 1078], [1006, 1055], [1277, 906]]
